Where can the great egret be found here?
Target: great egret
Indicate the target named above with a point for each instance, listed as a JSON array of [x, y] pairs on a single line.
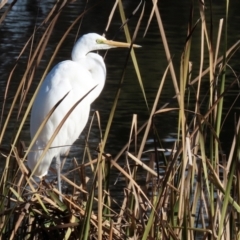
[[72, 79]]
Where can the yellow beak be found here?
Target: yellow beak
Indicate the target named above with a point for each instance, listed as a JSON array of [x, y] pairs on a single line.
[[120, 44]]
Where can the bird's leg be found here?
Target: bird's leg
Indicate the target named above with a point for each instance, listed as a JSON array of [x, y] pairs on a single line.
[[58, 166]]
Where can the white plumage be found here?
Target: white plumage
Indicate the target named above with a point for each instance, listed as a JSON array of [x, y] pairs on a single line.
[[75, 77]]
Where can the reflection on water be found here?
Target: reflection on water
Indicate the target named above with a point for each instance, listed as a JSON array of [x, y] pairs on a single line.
[[25, 15]]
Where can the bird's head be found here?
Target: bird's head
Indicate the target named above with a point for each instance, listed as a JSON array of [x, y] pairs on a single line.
[[93, 41]]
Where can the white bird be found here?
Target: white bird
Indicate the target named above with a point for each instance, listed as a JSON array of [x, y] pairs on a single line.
[[72, 79]]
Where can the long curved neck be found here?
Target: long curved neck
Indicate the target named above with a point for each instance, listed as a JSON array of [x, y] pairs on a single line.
[[95, 65], [80, 50]]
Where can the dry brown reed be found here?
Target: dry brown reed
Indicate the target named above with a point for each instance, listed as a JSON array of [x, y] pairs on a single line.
[[197, 194]]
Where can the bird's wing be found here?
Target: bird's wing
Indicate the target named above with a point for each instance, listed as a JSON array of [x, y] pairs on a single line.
[[66, 77]]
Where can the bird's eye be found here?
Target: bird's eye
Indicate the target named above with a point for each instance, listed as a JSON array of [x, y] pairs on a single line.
[[99, 41]]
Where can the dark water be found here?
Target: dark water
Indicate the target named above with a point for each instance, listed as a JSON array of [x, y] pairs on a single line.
[[25, 15]]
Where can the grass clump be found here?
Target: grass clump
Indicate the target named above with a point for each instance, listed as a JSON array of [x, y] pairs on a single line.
[[190, 189]]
